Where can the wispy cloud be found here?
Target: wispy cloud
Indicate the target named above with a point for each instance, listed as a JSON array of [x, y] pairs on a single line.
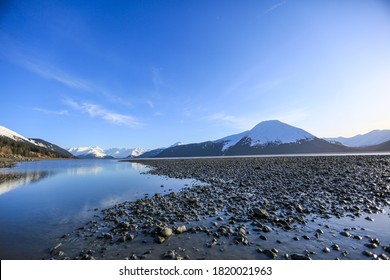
[[59, 76], [29, 60], [51, 112], [275, 7], [96, 111]]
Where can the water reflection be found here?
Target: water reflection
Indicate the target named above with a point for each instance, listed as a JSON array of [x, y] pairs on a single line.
[[85, 170], [136, 165], [22, 179]]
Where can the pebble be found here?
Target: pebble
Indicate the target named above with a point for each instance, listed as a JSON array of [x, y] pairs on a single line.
[[336, 247], [260, 213], [345, 233], [300, 257], [270, 254], [166, 232], [267, 229], [368, 253], [326, 250], [159, 239], [181, 229], [371, 245]]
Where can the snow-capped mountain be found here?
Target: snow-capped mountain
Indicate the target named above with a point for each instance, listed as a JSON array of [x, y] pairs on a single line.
[[46, 148], [89, 152], [268, 132], [268, 137], [14, 135], [97, 152], [371, 138]]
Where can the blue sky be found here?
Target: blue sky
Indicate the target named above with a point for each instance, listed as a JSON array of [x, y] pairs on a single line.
[[151, 73]]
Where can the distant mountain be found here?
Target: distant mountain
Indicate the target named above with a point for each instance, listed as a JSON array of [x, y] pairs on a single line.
[[155, 152], [124, 153], [151, 153], [371, 138], [268, 137], [383, 147], [12, 143], [89, 152], [97, 152]]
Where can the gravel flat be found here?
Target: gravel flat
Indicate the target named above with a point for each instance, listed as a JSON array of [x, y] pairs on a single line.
[[325, 207]]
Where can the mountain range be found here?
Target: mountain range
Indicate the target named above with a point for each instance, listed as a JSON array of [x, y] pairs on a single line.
[[275, 137], [267, 137], [97, 152]]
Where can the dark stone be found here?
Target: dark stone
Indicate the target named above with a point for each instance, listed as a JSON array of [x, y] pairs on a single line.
[[300, 257]]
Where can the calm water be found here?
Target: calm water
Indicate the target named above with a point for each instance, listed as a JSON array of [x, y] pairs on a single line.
[[55, 197]]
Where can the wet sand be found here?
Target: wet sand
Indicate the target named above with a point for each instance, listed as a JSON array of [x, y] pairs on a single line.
[[333, 207]]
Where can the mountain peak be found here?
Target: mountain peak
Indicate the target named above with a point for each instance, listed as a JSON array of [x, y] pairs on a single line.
[[271, 131]]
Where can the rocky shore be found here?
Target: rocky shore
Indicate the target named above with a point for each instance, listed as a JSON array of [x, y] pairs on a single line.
[[333, 207]]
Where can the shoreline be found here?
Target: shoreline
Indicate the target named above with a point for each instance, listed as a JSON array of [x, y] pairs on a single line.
[[251, 208]]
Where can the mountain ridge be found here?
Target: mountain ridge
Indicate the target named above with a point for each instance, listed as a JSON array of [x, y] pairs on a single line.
[[372, 138], [13, 143], [267, 137], [111, 153]]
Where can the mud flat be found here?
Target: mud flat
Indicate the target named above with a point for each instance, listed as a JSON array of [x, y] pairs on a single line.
[[328, 207]]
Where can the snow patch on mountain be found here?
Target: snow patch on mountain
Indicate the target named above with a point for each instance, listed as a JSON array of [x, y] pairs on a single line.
[[97, 152], [176, 144], [88, 152], [268, 132], [14, 135]]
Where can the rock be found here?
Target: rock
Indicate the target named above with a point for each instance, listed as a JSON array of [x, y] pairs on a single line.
[[270, 254], [371, 245], [358, 237], [296, 238], [368, 253], [299, 257], [320, 231], [369, 219], [345, 233], [171, 254], [55, 247], [159, 239], [262, 237], [130, 236], [384, 257], [299, 208], [260, 213], [336, 247], [306, 237], [326, 250], [267, 229], [181, 229], [166, 232], [375, 241]]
